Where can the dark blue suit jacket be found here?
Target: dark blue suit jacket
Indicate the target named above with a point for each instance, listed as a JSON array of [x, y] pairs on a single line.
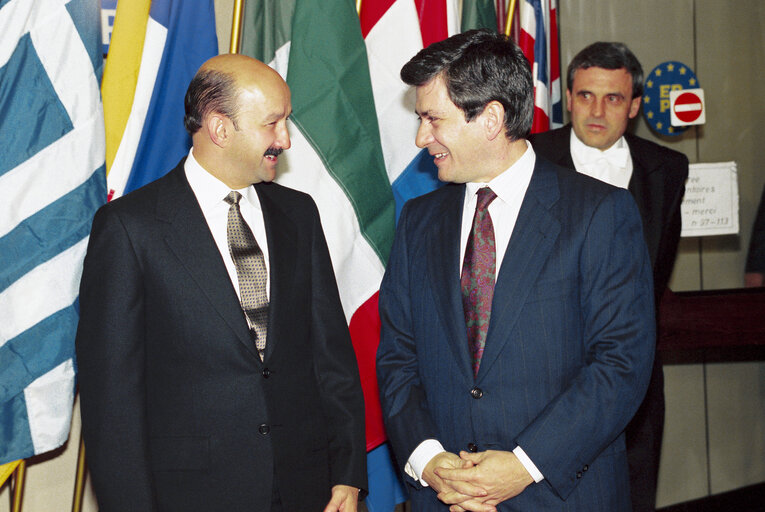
[[657, 184], [569, 349]]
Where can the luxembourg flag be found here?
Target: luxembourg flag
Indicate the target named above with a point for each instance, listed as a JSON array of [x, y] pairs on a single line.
[[156, 48], [52, 180], [539, 41], [394, 31]]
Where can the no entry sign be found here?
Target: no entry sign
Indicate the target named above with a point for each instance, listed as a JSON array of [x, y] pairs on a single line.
[[665, 79], [687, 107]]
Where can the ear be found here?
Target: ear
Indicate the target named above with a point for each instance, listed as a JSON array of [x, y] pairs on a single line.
[[493, 118], [218, 128], [568, 100], [634, 107]]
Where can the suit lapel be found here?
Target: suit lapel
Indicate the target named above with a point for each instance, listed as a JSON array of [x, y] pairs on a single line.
[[644, 186], [281, 236], [534, 236], [560, 148], [444, 269], [189, 238]]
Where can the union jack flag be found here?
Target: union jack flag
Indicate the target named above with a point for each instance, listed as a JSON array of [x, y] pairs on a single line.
[[538, 38]]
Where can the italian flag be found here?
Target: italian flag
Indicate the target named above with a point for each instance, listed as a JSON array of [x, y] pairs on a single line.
[[352, 130]]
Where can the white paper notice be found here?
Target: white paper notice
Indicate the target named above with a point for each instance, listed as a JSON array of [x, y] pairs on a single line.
[[710, 205]]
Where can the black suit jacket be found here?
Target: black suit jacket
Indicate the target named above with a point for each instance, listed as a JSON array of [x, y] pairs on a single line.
[[179, 412], [657, 184]]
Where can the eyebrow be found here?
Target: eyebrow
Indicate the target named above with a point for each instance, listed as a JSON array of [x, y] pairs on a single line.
[[277, 115], [428, 113], [587, 91]]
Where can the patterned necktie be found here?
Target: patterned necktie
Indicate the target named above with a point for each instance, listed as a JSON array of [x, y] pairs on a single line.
[[478, 271], [250, 270]]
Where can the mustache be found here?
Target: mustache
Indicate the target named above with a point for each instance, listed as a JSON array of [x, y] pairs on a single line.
[[273, 152]]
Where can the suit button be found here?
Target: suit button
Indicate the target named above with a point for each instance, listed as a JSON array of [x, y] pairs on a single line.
[[476, 393], [264, 429], [579, 474], [586, 467], [266, 373], [472, 447]]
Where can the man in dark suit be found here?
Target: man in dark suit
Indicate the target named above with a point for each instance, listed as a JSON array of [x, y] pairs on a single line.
[[605, 86], [507, 385], [192, 399]]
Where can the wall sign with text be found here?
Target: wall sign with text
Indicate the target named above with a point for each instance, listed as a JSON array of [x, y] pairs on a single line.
[[710, 205]]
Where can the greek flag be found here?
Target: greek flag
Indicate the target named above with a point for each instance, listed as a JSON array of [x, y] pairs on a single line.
[[52, 180]]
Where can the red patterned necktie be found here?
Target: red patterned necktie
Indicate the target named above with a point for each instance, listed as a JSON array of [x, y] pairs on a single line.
[[250, 270], [478, 271]]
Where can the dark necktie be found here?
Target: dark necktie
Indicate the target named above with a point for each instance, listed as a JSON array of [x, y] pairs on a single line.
[[478, 271], [250, 270]]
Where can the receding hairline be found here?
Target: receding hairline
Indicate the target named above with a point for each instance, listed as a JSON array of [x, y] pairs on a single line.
[[243, 70]]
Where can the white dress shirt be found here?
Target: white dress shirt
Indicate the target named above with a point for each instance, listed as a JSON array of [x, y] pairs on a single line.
[[613, 166], [211, 193], [510, 187]]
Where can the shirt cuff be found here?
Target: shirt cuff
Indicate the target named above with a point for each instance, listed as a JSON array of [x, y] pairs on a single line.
[[530, 466], [420, 457]]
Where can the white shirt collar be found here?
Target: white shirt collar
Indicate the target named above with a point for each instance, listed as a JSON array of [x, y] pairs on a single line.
[[511, 184], [613, 166], [616, 155], [209, 190]]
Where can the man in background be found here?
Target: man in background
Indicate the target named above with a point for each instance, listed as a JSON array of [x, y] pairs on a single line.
[[604, 90], [517, 308], [215, 366]]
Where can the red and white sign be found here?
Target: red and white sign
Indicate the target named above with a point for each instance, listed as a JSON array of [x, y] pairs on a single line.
[[687, 107]]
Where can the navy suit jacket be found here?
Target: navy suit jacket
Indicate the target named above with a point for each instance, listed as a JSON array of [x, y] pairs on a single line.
[[179, 412], [657, 184], [568, 352]]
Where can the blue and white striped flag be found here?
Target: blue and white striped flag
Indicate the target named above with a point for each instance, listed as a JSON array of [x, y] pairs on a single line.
[[52, 180], [179, 37]]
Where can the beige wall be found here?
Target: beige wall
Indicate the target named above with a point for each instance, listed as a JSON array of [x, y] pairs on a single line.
[[719, 405]]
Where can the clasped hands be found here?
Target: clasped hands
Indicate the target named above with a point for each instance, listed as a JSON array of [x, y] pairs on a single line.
[[476, 482]]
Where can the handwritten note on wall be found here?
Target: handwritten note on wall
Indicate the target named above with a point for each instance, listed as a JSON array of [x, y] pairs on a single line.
[[710, 206]]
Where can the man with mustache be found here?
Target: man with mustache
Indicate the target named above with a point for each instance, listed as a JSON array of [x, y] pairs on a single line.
[[604, 91], [216, 369]]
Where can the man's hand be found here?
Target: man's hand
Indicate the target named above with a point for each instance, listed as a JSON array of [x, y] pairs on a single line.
[[344, 499], [500, 473], [469, 495]]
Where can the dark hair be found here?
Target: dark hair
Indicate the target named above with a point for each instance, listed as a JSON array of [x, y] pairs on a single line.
[[479, 66], [210, 91], [608, 56]]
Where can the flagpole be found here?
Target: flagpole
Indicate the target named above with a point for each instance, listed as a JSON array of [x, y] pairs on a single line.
[[358, 7], [236, 27], [79, 480], [18, 485], [509, 18]]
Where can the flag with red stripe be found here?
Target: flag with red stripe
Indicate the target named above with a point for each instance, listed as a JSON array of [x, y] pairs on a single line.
[[538, 38]]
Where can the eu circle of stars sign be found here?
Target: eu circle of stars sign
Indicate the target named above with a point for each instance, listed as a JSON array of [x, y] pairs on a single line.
[[667, 76]]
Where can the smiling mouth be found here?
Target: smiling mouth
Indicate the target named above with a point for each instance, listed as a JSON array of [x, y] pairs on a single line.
[[440, 156]]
